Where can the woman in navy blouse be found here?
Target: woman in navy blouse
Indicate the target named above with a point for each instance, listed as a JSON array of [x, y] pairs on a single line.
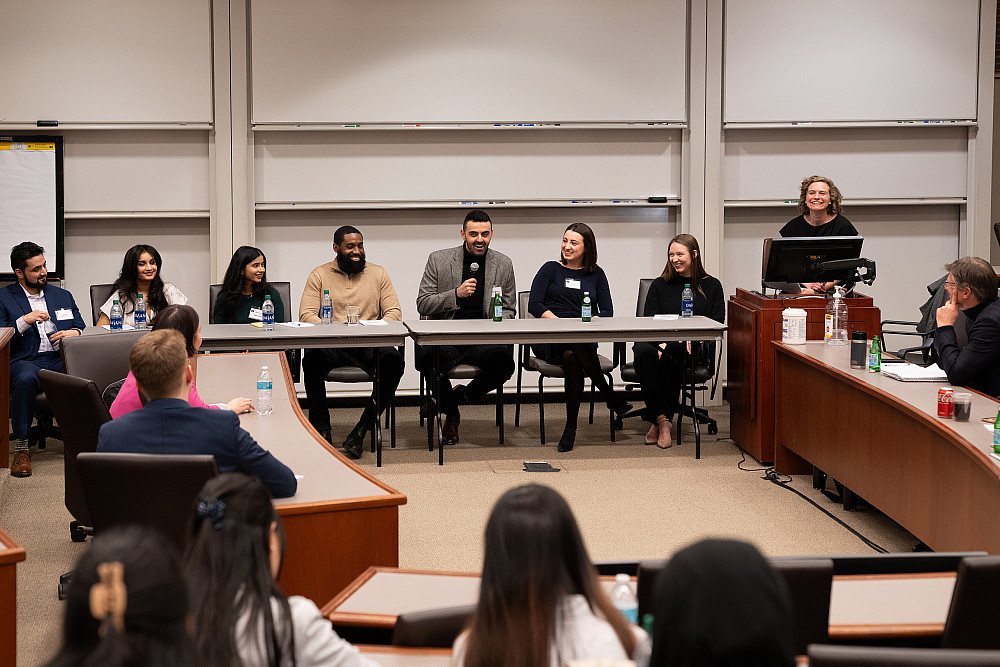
[[557, 291]]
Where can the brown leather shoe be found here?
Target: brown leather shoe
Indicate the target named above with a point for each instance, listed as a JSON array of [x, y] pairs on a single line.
[[450, 430], [21, 467]]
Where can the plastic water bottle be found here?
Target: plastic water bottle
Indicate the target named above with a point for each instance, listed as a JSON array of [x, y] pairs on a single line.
[[267, 313], [326, 308], [835, 330], [116, 316], [264, 405], [497, 304], [586, 310], [875, 356], [140, 312], [623, 597], [687, 301], [996, 434]]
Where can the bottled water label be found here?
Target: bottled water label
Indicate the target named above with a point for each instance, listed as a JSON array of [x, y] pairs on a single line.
[[263, 385]]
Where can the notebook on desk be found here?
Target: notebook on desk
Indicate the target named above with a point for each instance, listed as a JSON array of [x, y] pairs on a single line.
[[914, 373]]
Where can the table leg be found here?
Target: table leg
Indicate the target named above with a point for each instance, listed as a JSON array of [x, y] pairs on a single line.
[[694, 414], [377, 428], [437, 403]]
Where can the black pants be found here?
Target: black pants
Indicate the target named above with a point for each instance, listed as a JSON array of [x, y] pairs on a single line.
[[579, 360], [496, 363], [660, 378], [316, 363]]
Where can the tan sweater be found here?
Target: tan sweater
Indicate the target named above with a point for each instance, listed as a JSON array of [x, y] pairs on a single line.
[[371, 289]]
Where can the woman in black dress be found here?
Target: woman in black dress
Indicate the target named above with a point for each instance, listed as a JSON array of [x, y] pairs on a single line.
[[661, 366]]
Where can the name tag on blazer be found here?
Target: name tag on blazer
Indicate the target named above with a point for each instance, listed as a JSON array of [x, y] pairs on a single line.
[[64, 314], [572, 283], [256, 314]]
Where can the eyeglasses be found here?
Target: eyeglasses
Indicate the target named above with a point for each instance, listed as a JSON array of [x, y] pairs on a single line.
[[949, 283]]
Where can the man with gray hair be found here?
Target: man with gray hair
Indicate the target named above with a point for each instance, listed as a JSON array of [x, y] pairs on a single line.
[[972, 285]]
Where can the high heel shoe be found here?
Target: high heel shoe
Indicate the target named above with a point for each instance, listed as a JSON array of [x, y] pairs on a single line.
[[567, 440], [663, 439], [653, 434]]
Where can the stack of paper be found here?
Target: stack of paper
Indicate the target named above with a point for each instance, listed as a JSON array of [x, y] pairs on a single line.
[[914, 373]]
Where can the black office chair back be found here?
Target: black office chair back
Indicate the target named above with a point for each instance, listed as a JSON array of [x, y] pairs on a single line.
[[98, 295], [77, 406], [640, 302], [156, 490], [809, 582], [284, 290], [102, 358], [996, 230], [891, 656], [645, 584], [975, 605], [435, 628]]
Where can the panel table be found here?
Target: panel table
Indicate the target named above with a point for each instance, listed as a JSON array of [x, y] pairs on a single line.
[[341, 520], [560, 330], [883, 440]]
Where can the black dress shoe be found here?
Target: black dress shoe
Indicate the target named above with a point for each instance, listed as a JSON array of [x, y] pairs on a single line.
[[354, 445], [325, 434], [449, 433], [567, 440]]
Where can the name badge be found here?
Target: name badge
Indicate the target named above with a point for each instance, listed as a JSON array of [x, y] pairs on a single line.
[[572, 283], [256, 314], [64, 314]]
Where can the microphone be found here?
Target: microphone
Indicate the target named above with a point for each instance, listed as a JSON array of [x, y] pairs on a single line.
[[474, 267]]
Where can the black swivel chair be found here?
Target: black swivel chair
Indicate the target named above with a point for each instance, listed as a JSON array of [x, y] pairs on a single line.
[[434, 628], [284, 290], [462, 372], [891, 656], [528, 361], [975, 605], [98, 295]]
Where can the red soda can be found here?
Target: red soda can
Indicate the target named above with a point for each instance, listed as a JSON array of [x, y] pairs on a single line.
[[946, 408]]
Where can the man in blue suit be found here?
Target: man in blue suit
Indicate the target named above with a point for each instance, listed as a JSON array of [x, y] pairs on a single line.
[[168, 424], [41, 316]]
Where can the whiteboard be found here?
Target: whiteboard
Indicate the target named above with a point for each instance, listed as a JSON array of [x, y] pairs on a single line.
[[31, 196], [850, 60], [386, 61], [408, 167], [104, 62], [865, 163]]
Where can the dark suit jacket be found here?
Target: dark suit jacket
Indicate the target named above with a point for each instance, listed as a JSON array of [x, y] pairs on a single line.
[[436, 298], [172, 426], [14, 304], [977, 364]]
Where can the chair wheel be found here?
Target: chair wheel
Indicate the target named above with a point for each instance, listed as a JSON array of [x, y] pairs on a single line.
[[77, 532], [713, 429]]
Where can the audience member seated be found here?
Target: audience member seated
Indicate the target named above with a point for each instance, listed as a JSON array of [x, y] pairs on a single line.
[[718, 603], [127, 604], [557, 291], [140, 274], [168, 424], [185, 320], [244, 289], [972, 284], [540, 600], [240, 617], [661, 367], [32, 308]]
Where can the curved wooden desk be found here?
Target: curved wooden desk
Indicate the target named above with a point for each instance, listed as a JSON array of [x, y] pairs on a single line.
[[11, 553], [341, 520], [882, 439]]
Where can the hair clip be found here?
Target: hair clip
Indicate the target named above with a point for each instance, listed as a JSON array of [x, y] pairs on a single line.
[[109, 597], [213, 509]]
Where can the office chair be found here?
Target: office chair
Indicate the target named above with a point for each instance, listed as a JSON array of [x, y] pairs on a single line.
[[98, 295], [809, 582], [461, 372], [103, 358], [284, 290], [890, 656], [974, 605], [435, 628], [528, 361]]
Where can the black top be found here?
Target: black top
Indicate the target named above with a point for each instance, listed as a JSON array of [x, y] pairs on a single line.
[[664, 298], [560, 290], [977, 365], [839, 226], [241, 310], [471, 307]]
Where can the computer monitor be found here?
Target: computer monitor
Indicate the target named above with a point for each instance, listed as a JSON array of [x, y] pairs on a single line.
[[805, 259]]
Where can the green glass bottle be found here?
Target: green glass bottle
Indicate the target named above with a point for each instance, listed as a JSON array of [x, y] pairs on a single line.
[[875, 356], [497, 305], [586, 311]]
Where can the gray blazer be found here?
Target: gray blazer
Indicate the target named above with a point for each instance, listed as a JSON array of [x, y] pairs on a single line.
[[436, 298]]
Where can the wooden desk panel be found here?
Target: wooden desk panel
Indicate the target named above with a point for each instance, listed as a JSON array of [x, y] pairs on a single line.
[[341, 520], [5, 335], [11, 553], [754, 322], [399, 656], [882, 439]]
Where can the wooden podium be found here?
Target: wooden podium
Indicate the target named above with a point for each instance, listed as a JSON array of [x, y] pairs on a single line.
[[754, 321]]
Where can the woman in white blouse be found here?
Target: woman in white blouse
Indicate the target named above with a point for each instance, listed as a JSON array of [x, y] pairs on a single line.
[[140, 274]]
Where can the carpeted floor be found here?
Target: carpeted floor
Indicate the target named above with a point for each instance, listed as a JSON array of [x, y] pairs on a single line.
[[632, 501]]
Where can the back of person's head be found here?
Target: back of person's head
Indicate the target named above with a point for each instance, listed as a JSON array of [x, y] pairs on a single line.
[[158, 360], [718, 603], [179, 318], [534, 557], [127, 604], [228, 563], [977, 274], [22, 252]]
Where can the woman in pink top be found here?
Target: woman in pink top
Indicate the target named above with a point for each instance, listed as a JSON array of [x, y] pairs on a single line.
[[185, 320]]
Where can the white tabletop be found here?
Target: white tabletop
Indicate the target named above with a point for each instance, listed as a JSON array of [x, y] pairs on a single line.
[[338, 334]]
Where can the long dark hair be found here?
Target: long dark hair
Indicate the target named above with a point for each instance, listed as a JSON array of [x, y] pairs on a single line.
[[156, 605], [127, 285], [698, 272], [534, 557], [228, 568], [233, 283], [589, 245], [718, 603], [183, 318]]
